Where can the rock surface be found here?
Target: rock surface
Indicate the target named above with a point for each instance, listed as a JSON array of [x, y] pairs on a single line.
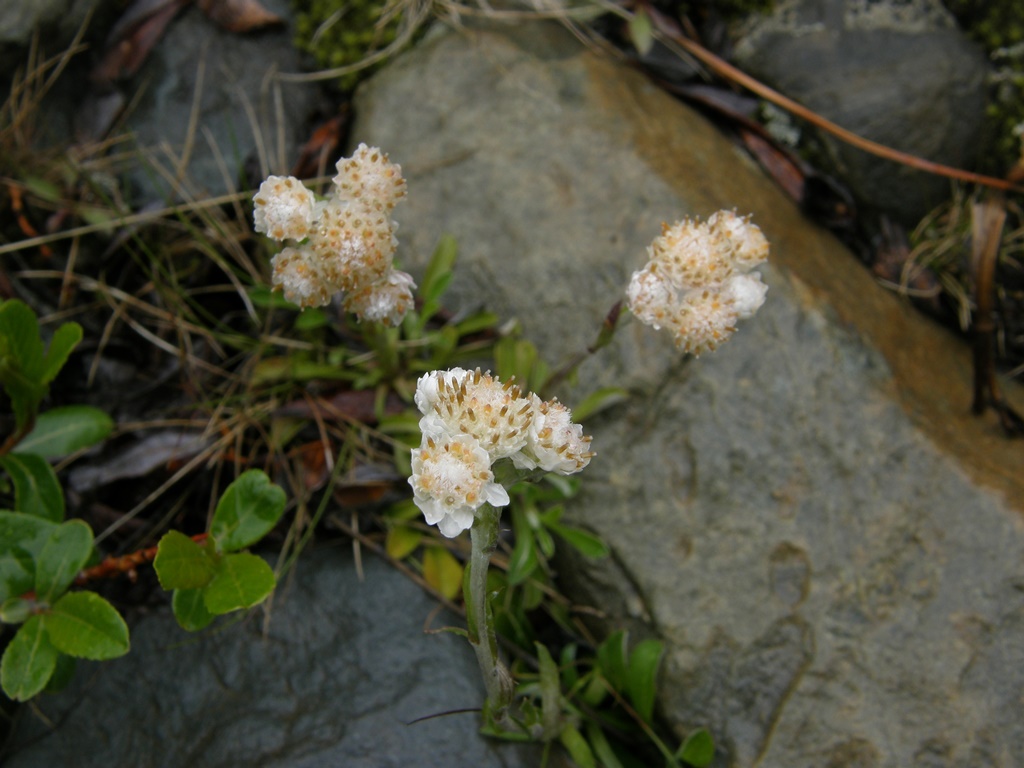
[[827, 540], [337, 678], [899, 73]]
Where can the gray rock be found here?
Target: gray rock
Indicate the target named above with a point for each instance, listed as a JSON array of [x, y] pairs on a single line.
[[337, 678], [241, 109], [809, 517], [899, 73]]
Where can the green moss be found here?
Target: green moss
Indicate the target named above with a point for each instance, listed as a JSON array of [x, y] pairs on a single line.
[[338, 33], [998, 25]]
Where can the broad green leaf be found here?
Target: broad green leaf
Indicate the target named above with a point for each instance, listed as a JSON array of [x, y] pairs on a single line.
[[181, 563], [310, 319], [28, 662], [65, 553], [402, 541], [16, 610], [643, 675], [64, 340], [248, 510], [611, 658], [442, 571], [84, 625], [64, 430], [242, 580], [577, 747], [190, 609], [698, 749], [37, 491], [587, 544], [21, 360], [21, 540]]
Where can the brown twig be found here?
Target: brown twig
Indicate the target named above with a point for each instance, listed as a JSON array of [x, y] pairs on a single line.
[[671, 30]]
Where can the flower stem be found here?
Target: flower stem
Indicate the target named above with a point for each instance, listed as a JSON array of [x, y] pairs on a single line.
[[497, 680]]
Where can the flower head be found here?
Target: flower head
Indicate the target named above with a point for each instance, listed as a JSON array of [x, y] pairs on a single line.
[[347, 241], [369, 176], [554, 442], [697, 282], [451, 479], [477, 404], [283, 208]]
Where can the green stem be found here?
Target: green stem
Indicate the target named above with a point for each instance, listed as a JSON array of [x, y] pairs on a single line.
[[497, 680]]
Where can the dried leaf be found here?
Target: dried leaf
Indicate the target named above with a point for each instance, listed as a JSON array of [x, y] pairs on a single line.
[[239, 15], [133, 37]]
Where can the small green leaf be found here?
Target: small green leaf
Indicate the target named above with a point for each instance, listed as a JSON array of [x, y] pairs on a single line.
[[248, 510], [21, 348], [28, 662], [597, 401], [439, 270], [523, 561], [602, 749], [22, 538], [64, 430], [65, 553], [643, 676], [611, 658], [84, 625], [181, 563], [585, 543], [37, 491], [43, 188], [310, 319], [64, 340], [640, 32], [577, 747], [242, 580], [402, 541], [698, 749], [442, 571], [190, 609]]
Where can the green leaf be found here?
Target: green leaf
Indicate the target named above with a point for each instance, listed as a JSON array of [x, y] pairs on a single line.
[[22, 538], [65, 553], [16, 610], [64, 340], [597, 401], [698, 749], [64, 430], [181, 563], [439, 270], [643, 676], [611, 659], [577, 747], [21, 348], [242, 580], [37, 491], [190, 609], [640, 32], [586, 543], [28, 662], [310, 319], [248, 510], [442, 571], [402, 541], [84, 625]]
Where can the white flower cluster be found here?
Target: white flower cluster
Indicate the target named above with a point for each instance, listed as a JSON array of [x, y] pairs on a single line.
[[470, 420], [343, 244], [698, 283]]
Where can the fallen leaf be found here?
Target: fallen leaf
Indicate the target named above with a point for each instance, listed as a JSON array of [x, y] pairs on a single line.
[[239, 15], [133, 37]]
